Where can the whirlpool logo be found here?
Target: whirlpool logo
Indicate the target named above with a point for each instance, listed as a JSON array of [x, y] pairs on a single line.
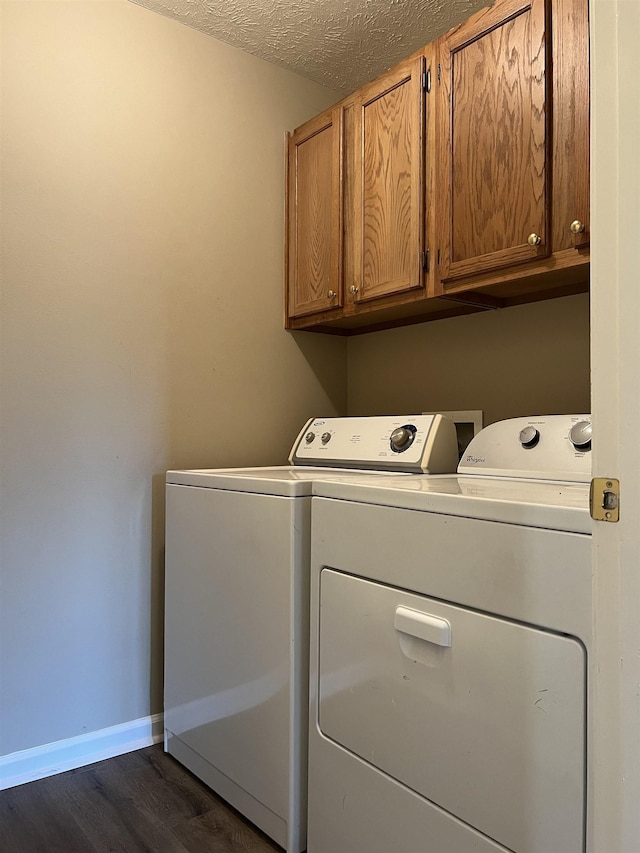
[[475, 460]]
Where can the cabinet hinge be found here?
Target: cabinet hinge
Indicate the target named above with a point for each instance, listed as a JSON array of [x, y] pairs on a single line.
[[426, 80], [438, 258], [425, 260], [438, 72], [604, 499]]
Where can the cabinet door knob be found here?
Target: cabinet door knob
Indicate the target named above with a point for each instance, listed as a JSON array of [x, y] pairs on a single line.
[[534, 239], [576, 227], [353, 289], [332, 294]]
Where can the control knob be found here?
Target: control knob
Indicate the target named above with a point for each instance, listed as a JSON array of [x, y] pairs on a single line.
[[325, 438], [580, 435], [529, 436], [309, 437], [402, 438]]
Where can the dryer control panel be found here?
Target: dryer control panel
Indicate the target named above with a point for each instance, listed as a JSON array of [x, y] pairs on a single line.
[[551, 447], [418, 443]]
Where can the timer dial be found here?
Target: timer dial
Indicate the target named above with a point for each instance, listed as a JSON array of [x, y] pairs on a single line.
[[309, 437], [529, 436], [402, 438], [580, 435]]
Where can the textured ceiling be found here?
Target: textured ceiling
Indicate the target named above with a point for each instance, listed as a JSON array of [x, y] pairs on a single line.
[[339, 43]]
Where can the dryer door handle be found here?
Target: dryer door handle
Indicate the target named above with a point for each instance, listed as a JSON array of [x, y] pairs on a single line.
[[424, 626]]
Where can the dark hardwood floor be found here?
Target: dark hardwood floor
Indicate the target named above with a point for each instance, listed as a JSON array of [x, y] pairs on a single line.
[[142, 801]]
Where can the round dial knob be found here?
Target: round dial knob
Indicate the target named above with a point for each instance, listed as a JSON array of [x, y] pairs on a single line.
[[309, 437], [580, 435], [529, 436], [325, 438], [402, 438]]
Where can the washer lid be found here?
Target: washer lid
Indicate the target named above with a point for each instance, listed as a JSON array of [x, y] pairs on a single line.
[[284, 480], [532, 503]]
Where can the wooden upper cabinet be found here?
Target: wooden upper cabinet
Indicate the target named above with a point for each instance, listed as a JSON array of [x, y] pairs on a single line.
[[473, 155], [314, 251], [388, 184], [494, 140]]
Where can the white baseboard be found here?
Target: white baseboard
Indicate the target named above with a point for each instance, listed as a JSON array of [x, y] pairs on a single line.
[[41, 761]]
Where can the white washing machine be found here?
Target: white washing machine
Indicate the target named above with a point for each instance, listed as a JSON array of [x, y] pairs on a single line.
[[450, 629], [237, 608]]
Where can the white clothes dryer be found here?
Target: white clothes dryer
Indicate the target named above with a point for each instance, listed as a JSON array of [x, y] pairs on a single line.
[[450, 629], [237, 608]]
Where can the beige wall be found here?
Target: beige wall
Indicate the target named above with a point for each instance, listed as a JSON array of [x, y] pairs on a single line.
[[142, 192], [525, 360]]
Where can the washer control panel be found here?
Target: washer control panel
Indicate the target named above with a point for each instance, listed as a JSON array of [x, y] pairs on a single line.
[[551, 447], [420, 443]]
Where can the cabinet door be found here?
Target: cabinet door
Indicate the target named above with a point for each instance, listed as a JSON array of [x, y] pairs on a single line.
[[570, 201], [315, 216], [494, 140], [389, 184]]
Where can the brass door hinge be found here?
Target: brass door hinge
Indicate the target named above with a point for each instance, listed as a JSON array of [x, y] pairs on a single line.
[[604, 499]]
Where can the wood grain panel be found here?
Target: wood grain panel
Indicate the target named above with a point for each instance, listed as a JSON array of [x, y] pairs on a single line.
[[315, 216], [349, 182], [386, 203], [497, 197], [313, 223], [389, 163], [570, 122], [431, 203], [494, 146]]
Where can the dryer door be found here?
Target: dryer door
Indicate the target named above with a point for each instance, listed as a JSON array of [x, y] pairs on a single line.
[[482, 716]]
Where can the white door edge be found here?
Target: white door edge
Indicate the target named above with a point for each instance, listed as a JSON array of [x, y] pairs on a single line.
[[614, 814]]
